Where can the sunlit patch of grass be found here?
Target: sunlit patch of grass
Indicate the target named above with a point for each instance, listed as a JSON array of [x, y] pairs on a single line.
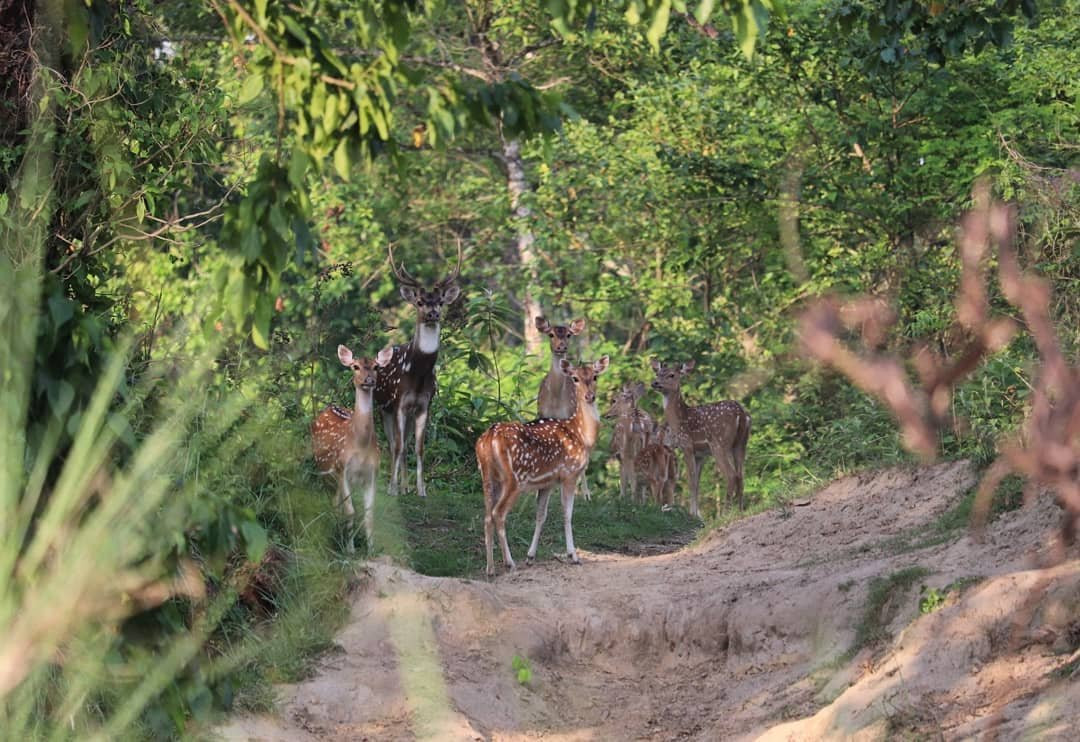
[[881, 606], [445, 532]]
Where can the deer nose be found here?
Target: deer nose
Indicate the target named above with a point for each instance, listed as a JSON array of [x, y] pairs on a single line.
[[656, 385]]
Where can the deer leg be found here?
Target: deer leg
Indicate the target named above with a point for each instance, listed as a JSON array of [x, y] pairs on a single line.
[[624, 478], [346, 504], [726, 467], [491, 498], [738, 456], [369, 510], [585, 487], [421, 426], [568, 518], [390, 426], [501, 510], [399, 450], [542, 499], [693, 474], [670, 475]]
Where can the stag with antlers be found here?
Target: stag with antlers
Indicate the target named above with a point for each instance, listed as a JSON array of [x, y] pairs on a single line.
[[517, 457], [343, 441], [720, 428], [407, 384], [632, 424]]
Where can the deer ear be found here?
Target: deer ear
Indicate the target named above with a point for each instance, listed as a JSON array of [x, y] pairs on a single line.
[[600, 366], [687, 367], [577, 326], [385, 356], [409, 293], [656, 365], [450, 293], [639, 389], [542, 324], [344, 355], [566, 367]]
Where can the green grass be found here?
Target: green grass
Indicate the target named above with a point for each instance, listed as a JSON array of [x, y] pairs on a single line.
[[443, 535], [1067, 671], [311, 607], [881, 607]]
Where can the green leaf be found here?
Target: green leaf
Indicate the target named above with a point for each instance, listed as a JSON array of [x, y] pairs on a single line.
[[331, 115], [60, 400], [61, 309], [236, 297], [342, 159], [659, 24], [255, 539], [251, 88], [260, 326], [704, 11]]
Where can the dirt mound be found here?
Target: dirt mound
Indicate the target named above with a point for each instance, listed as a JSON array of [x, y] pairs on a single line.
[[746, 634]]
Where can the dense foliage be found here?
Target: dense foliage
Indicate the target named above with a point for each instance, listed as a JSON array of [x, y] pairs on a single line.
[[221, 182]]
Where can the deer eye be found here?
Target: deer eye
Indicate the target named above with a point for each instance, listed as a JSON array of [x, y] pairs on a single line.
[[575, 379]]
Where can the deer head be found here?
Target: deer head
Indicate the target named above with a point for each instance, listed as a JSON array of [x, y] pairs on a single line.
[[560, 334], [364, 369], [428, 302], [669, 375], [584, 378], [626, 400]]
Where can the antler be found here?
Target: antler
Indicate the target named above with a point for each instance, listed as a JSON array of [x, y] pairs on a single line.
[[457, 271], [402, 275]]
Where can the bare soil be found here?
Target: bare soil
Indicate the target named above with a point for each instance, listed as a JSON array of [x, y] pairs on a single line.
[[747, 634]]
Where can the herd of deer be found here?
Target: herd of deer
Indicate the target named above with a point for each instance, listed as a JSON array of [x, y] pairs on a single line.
[[514, 457]]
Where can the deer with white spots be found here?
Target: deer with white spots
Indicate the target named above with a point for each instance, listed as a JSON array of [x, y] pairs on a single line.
[[658, 465], [556, 398], [344, 443], [520, 457], [632, 425], [407, 384], [720, 428]]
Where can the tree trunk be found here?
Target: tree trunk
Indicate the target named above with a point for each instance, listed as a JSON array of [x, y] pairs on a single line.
[[526, 255]]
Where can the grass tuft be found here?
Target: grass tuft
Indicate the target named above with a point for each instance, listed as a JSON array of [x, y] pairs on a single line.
[[881, 606]]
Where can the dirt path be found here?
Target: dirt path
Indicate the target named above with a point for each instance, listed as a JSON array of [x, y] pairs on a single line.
[[745, 635]]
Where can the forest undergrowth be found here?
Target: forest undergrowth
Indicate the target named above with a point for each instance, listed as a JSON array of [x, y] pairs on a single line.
[[195, 209]]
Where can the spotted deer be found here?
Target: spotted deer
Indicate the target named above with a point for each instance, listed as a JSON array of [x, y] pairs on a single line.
[[343, 441], [658, 465], [556, 397], [628, 437], [406, 385], [517, 457], [720, 428]]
